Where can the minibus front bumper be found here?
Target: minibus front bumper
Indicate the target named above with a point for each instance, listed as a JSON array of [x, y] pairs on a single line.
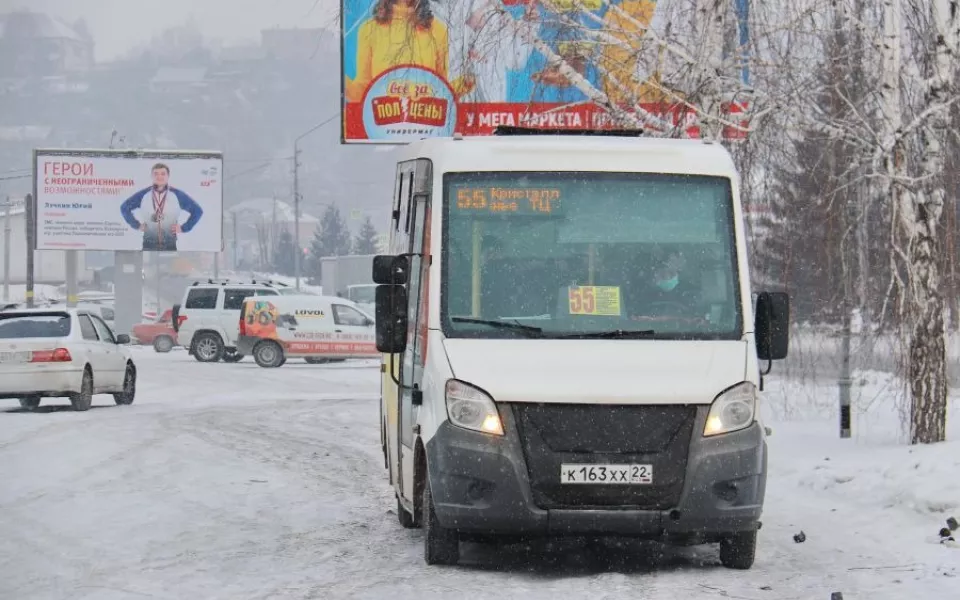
[[704, 488]]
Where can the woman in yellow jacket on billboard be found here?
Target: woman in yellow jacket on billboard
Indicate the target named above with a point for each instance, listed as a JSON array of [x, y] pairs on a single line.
[[402, 32]]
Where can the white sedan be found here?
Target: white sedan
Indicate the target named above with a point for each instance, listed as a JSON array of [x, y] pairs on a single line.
[[63, 353]]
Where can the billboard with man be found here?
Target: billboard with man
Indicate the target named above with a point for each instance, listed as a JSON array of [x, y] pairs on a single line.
[[121, 200], [426, 68]]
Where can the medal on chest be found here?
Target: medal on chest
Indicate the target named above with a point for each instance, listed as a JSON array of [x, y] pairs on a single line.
[[159, 204]]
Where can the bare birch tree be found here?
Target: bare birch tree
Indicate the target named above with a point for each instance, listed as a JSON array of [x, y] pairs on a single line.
[[920, 210]]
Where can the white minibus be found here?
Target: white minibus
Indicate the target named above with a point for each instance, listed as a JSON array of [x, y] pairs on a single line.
[[569, 341]]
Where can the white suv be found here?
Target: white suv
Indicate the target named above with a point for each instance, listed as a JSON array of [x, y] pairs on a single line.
[[207, 320]]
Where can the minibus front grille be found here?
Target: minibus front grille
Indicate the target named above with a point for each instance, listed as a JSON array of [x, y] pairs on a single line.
[[658, 435]]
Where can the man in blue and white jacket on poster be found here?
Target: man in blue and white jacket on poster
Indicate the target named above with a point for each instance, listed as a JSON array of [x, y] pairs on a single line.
[[156, 212]]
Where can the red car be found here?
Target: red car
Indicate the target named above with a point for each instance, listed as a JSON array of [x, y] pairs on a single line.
[[160, 333]]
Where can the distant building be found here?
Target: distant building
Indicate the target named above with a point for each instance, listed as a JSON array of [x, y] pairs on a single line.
[[49, 266], [34, 44]]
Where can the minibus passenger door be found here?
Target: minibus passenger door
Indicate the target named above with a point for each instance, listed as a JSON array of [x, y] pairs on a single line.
[[414, 356], [391, 373]]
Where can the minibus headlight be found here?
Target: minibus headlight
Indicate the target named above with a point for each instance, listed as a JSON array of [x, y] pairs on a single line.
[[471, 408], [732, 410]]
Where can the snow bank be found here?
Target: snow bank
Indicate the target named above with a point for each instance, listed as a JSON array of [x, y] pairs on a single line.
[[874, 470], [921, 479]]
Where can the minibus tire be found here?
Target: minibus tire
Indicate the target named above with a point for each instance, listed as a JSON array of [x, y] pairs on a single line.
[[441, 546], [739, 550], [406, 519], [268, 354]]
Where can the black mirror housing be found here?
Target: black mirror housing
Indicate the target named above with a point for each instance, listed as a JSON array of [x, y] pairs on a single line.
[[123, 339], [772, 325], [391, 270], [391, 318]]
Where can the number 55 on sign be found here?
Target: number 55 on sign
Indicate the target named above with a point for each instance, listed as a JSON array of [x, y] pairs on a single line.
[[595, 300]]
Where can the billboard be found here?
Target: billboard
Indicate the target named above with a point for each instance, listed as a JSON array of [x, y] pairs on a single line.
[[428, 68], [153, 201]]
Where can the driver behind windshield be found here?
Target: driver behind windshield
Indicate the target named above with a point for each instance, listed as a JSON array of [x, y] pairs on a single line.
[[667, 290]]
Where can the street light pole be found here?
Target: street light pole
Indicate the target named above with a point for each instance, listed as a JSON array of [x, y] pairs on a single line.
[[298, 255], [296, 212], [6, 249]]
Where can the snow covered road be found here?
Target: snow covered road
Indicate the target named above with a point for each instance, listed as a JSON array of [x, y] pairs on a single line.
[[236, 482]]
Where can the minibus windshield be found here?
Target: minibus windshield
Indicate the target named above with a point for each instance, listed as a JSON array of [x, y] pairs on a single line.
[[580, 255]]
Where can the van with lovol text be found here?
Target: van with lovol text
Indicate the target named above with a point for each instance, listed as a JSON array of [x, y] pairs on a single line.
[[570, 343], [317, 329]]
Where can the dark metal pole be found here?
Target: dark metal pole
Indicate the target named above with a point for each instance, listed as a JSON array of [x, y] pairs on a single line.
[[846, 377], [30, 216], [296, 195], [296, 212]]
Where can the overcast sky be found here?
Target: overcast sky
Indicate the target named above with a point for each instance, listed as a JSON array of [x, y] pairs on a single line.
[[119, 25]]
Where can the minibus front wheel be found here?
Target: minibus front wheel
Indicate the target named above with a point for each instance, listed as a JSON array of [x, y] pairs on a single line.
[[441, 546], [738, 550]]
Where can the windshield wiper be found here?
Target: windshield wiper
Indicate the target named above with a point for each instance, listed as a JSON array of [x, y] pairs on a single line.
[[613, 334], [529, 329]]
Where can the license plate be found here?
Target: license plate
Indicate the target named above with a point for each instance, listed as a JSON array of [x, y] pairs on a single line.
[[14, 357], [607, 474]]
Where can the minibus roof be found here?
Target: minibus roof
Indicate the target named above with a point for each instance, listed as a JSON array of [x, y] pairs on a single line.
[[569, 153]]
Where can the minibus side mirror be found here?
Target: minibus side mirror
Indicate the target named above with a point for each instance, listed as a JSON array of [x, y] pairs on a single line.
[[390, 270], [391, 318], [772, 325]]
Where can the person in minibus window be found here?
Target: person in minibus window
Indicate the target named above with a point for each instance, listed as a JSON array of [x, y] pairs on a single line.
[[668, 291]]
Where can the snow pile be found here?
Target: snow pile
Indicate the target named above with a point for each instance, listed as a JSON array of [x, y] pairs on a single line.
[[916, 488], [921, 479]]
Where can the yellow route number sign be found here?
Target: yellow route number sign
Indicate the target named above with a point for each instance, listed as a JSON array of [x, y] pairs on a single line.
[[595, 300]]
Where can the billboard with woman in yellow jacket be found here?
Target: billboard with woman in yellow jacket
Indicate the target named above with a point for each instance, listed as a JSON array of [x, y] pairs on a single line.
[[400, 60], [414, 69]]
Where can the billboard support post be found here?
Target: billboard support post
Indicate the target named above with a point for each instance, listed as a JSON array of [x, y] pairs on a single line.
[[128, 290], [156, 265], [6, 250], [29, 211], [71, 272]]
